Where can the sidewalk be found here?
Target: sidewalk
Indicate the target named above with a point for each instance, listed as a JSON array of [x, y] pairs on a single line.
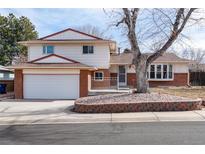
[[59, 112]]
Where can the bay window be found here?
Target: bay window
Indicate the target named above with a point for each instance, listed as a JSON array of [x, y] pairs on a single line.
[[170, 71], [152, 72], [160, 71]]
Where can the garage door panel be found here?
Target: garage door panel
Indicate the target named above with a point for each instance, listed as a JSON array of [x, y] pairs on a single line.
[[51, 86]]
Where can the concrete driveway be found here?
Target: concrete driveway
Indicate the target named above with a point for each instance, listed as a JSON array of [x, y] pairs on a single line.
[[58, 111]]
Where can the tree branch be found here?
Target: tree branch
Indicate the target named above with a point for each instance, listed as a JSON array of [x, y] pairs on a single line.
[[177, 29]]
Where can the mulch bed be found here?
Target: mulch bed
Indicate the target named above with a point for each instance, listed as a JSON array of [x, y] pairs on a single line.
[[115, 103]]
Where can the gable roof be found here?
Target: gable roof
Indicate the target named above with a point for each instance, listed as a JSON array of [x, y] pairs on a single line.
[[126, 58], [2, 68], [32, 64], [73, 30], [52, 66], [53, 55]]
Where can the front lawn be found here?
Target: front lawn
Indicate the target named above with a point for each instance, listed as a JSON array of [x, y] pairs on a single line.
[[192, 92]]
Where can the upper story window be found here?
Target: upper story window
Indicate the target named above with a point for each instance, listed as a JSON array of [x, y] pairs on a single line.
[[88, 49], [160, 71], [48, 49]]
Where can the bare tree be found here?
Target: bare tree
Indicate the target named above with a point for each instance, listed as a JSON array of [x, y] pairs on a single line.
[[164, 30], [94, 30], [195, 54]]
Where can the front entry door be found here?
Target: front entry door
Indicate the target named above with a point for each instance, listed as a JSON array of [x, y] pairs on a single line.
[[122, 75]]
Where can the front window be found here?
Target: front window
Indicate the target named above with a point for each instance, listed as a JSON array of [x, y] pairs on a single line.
[[165, 72], [98, 76], [1, 75], [11, 76], [152, 72], [48, 49], [160, 71], [170, 71], [88, 49]]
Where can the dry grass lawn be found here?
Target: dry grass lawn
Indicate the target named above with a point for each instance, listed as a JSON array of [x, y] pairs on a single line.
[[192, 92]]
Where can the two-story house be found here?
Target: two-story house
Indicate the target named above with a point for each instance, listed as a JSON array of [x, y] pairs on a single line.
[[67, 64]]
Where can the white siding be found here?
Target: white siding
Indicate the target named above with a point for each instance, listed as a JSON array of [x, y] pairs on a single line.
[[51, 71], [53, 59], [114, 69], [181, 68], [100, 58], [69, 35]]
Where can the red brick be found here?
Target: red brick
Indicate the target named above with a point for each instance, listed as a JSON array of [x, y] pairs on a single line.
[[180, 79], [84, 83], [101, 84], [18, 84]]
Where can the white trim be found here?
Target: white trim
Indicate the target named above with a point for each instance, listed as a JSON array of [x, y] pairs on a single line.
[[102, 76], [51, 71], [122, 83], [188, 78], [162, 79], [46, 49], [88, 53]]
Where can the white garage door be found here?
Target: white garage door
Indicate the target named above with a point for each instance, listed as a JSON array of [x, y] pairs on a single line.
[[51, 86]]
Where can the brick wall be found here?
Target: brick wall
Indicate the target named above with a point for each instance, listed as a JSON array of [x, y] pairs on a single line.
[[84, 83], [113, 81], [101, 84], [180, 79], [18, 84], [131, 80]]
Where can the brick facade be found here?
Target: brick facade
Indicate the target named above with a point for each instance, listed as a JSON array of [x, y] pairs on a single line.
[[101, 84], [18, 84], [180, 79], [113, 81], [84, 83], [131, 80]]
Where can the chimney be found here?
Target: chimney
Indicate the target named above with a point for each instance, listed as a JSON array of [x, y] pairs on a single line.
[[118, 50]]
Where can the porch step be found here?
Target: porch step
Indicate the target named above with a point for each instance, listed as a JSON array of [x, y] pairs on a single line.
[[104, 92], [123, 88]]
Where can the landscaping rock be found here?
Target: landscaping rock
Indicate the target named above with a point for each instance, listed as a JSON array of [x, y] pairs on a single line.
[[114, 103]]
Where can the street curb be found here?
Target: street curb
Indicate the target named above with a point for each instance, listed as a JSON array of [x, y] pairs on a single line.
[[92, 122]]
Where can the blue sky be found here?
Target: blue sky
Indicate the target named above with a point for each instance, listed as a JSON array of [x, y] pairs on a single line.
[[48, 21]]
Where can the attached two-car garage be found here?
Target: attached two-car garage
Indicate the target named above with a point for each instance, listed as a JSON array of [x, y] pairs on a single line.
[[51, 86], [51, 77]]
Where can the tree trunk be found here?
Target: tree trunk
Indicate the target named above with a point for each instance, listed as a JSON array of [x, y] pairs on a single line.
[[141, 67]]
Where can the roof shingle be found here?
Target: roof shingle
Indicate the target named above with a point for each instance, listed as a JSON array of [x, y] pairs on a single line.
[[126, 58]]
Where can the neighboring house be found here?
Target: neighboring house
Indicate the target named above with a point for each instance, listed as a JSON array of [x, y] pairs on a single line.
[[69, 63], [7, 77]]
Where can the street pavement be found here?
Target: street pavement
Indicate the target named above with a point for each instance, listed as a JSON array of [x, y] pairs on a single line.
[[156, 133]]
